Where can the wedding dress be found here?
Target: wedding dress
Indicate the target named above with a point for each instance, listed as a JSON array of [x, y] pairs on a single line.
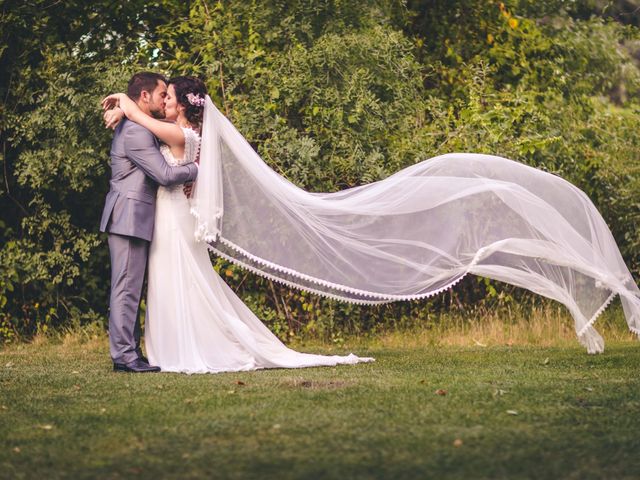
[[195, 322], [413, 234]]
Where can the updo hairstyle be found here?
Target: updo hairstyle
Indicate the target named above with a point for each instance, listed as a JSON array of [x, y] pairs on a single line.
[[190, 85]]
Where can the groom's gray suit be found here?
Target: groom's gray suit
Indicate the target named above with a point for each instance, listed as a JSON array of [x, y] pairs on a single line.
[[137, 168]]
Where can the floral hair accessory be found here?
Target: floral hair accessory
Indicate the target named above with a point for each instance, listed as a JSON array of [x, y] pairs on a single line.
[[196, 100]]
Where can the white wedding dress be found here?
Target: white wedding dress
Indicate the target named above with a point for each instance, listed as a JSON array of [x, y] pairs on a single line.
[[195, 322]]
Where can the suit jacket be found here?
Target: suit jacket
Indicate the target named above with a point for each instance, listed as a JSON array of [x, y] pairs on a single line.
[[137, 168]]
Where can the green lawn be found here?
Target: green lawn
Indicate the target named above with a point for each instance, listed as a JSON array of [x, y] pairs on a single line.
[[508, 412]]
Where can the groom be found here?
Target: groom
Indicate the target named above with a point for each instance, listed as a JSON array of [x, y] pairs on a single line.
[[137, 168]]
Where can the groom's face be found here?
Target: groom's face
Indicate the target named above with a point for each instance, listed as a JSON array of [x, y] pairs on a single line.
[[156, 101]]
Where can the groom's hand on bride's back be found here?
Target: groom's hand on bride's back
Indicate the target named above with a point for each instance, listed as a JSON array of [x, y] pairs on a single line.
[[188, 189]]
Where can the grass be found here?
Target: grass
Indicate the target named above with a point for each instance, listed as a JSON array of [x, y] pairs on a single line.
[[508, 411]]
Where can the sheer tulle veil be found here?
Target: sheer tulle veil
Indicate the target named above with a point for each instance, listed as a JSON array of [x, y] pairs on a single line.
[[413, 234]]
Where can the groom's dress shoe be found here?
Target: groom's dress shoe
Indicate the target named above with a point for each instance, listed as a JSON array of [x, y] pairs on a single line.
[[136, 366]]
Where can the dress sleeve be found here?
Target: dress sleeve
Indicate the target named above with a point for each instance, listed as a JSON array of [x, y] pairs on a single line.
[[191, 145]]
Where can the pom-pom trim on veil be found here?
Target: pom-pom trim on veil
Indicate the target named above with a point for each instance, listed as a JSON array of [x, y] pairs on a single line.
[[587, 335], [383, 298], [414, 234]]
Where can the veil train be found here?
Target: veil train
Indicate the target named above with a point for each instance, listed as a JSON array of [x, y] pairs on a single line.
[[413, 234]]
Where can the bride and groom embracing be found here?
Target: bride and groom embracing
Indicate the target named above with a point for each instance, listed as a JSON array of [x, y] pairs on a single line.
[[409, 236], [194, 321]]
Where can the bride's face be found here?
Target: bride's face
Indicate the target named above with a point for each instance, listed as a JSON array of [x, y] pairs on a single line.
[[172, 108]]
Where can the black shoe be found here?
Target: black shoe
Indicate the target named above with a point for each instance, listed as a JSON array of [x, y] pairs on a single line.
[[136, 366]]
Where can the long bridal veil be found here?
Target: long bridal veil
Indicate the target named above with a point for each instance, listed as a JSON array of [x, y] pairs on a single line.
[[413, 234]]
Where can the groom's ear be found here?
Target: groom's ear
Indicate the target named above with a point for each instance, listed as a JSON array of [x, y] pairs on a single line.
[[145, 96]]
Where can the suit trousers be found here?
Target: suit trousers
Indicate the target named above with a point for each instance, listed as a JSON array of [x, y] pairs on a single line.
[[129, 257]]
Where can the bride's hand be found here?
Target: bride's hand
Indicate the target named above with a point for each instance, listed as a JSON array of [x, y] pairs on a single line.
[[121, 100], [112, 117], [111, 101]]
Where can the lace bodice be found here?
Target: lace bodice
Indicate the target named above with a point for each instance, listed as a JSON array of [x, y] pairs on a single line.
[[191, 149]]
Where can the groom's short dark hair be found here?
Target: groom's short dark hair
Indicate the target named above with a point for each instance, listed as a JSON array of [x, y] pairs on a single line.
[[143, 81]]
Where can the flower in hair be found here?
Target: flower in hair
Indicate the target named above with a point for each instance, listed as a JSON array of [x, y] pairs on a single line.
[[195, 100]]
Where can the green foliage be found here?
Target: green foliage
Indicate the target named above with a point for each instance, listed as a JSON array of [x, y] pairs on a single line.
[[332, 94], [58, 59], [61, 160]]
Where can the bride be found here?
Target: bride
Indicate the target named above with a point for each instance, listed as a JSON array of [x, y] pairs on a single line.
[[195, 322], [409, 236]]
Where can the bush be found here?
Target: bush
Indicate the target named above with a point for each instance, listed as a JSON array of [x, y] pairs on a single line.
[[332, 95]]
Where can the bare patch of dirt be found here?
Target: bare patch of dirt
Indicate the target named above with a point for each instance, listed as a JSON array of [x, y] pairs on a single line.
[[315, 384]]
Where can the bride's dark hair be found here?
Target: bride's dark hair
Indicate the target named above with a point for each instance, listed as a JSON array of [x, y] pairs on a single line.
[[190, 85]]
